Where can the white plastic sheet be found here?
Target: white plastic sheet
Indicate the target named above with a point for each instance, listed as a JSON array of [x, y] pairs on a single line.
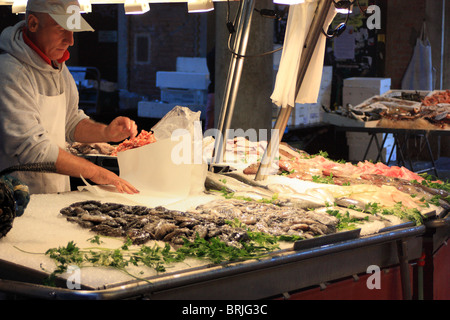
[[161, 171], [298, 24]]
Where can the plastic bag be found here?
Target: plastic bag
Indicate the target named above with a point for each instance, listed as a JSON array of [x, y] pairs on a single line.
[[187, 120]]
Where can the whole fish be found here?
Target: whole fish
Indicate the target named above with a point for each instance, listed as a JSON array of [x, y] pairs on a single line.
[[229, 184], [410, 188]]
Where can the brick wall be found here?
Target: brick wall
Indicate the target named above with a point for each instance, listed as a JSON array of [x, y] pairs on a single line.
[[403, 26], [90, 50], [173, 32]]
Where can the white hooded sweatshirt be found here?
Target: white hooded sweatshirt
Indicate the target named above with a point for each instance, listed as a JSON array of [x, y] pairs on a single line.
[[34, 98]]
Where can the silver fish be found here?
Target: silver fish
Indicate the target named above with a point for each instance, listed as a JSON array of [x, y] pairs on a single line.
[[348, 202]]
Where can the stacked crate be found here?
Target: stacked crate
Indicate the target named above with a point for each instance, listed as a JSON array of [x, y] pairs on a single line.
[[310, 113], [186, 86]]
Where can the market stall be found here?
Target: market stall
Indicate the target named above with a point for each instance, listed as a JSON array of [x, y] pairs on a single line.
[[317, 225]]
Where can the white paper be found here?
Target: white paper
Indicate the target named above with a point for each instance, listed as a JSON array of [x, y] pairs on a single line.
[[154, 173], [168, 170], [160, 179]]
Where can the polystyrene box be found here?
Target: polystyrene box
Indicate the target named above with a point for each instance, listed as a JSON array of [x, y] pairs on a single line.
[[367, 82], [184, 96], [358, 89], [182, 80], [154, 109], [357, 144], [192, 64], [299, 115], [308, 113]]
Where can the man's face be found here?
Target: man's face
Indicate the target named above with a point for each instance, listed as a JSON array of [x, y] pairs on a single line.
[[49, 37]]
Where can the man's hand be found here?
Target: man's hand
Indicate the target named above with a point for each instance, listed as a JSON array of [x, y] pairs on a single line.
[[89, 131], [121, 128], [104, 176], [74, 166]]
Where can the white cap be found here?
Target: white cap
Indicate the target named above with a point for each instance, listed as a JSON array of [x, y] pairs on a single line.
[[66, 13]]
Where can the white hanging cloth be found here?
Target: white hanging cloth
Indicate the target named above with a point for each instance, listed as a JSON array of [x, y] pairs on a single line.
[[298, 24], [419, 74]]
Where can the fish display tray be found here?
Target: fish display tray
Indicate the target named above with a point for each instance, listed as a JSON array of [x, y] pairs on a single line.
[[398, 93], [326, 239], [406, 104]]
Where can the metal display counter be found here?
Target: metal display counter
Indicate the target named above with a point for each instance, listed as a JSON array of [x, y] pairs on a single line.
[[283, 272], [435, 260]]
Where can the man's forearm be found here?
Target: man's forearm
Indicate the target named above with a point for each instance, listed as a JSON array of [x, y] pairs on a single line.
[[89, 131], [74, 166]]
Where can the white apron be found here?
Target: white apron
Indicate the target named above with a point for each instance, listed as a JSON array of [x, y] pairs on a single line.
[[53, 119], [420, 73]]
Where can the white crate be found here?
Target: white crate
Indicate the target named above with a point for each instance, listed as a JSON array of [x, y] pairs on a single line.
[[300, 115], [309, 113], [367, 82], [357, 145], [155, 109], [192, 64], [182, 80], [184, 96], [358, 89], [315, 113]]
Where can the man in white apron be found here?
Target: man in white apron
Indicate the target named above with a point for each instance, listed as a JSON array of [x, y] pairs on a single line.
[[39, 101]]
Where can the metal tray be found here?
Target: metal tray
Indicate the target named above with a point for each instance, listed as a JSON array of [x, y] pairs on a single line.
[[326, 239]]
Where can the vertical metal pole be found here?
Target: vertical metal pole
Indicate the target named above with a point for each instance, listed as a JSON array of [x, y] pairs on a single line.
[[234, 76], [404, 269], [314, 33], [273, 144], [441, 76]]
